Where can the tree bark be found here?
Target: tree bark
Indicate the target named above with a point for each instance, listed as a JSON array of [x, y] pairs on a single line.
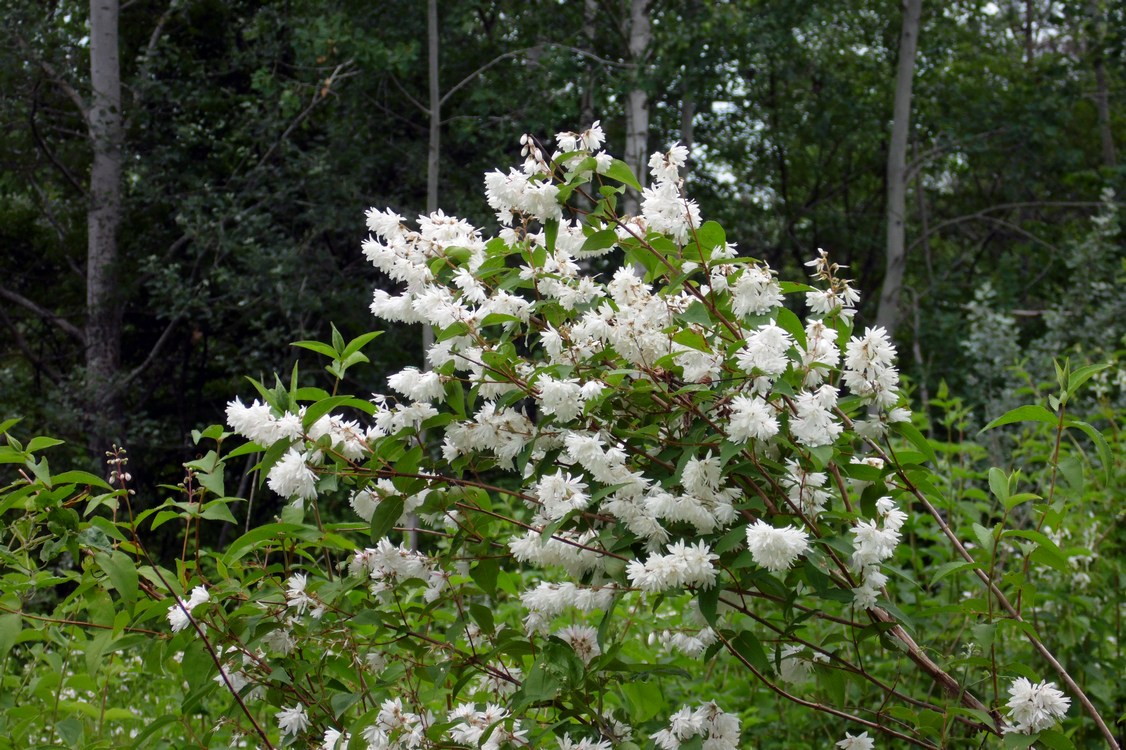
[[434, 152], [103, 305], [590, 27], [896, 250], [637, 102]]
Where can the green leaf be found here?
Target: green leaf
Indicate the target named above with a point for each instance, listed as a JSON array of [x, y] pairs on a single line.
[[1026, 413], [551, 231], [749, 647], [999, 485], [599, 241], [908, 430], [1047, 551], [984, 539], [1081, 376], [316, 346], [1021, 741], [81, 477], [621, 172], [710, 235], [121, 571], [40, 443], [947, 568], [789, 322], [10, 626], [692, 339], [315, 411], [1100, 445], [252, 538], [386, 515], [358, 343], [484, 574], [217, 510]]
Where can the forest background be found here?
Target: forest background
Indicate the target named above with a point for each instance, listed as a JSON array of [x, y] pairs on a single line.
[[253, 134], [182, 187]]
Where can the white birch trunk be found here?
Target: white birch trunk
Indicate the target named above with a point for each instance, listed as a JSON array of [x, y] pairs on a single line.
[[896, 250], [637, 102], [103, 307]]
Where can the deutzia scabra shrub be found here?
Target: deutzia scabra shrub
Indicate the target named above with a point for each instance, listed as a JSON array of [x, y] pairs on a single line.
[[598, 485]]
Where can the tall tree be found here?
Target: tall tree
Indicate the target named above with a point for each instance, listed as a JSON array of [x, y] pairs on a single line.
[[103, 304], [639, 33], [896, 250]]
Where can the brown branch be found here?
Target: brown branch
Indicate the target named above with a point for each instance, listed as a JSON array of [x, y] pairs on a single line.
[[53, 75], [45, 149], [320, 93], [820, 706], [52, 374], [57, 320], [160, 342]]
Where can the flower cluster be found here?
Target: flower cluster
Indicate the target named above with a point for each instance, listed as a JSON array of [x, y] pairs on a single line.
[[1035, 707], [875, 541], [720, 730], [627, 432], [179, 614]]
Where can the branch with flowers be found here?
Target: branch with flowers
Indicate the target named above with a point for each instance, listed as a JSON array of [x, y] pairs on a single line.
[[621, 477]]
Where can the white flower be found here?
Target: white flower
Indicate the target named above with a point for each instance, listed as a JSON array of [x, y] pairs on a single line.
[[334, 740], [813, 422], [295, 593], [860, 742], [178, 613], [292, 720], [583, 639], [765, 350], [291, 477], [1034, 708], [775, 549], [751, 418], [756, 292]]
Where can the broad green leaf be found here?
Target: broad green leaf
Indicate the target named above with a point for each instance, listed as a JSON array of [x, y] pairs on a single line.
[[600, 241], [909, 431], [41, 443], [1081, 376], [270, 532], [789, 322], [947, 568], [81, 477], [484, 574], [985, 539], [10, 626], [1026, 413], [1055, 740], [1100, 445], [386, 515], [692, 339], [358, 343], [999, 485], [710, 235], [121, 571], [750, 648], [316, 346], [621, 172]]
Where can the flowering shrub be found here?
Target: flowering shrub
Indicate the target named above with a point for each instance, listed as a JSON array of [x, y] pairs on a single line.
[[612, 483]]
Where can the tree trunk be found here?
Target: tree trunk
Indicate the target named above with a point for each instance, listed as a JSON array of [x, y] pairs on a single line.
[[590, 27], [637, 102], [103, 306], [434, 153], [896, 250]]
